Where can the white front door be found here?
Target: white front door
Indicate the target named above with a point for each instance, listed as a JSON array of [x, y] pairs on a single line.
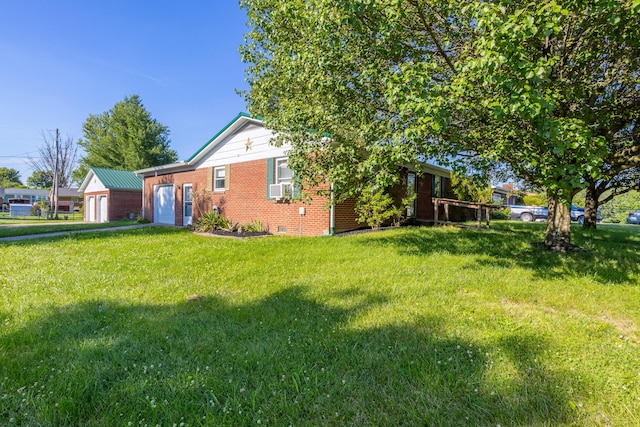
[[187, 205], [102, 209], [164, 209]]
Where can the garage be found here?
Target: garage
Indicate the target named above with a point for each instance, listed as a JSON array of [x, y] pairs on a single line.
[[111, 195], [164, 205]]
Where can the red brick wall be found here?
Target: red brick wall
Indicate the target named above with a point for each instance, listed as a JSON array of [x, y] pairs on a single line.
[[245, 201], [198, 178], [424, 193], [424, 201], [346, 217], [121, 203]]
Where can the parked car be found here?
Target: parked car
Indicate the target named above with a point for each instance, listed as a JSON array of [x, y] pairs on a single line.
[[633, 217], [534, 213], [577, 214], [529, 213]]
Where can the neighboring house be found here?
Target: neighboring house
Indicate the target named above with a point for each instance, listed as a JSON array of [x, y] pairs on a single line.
[[111, 195], [32, 195], [240, 173], [504, 195], [69, 199]]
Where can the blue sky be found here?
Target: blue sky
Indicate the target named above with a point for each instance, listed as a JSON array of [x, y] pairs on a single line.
[[61, 61]]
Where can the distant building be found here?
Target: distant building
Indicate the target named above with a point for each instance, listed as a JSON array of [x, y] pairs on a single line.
[[504, 195], [30, 194], [69, 199]]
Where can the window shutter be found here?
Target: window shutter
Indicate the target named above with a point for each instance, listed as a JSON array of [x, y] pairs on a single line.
[[227, 177], [270, 174], [209, 179]]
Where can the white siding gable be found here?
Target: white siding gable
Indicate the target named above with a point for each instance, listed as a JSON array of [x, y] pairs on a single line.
[[94, 185], [235, 149]]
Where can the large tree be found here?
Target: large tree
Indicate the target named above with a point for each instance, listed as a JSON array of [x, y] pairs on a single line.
[[125, 137], [10, 177], [536, 85], [40, 180], [620, 171], [66, 151]]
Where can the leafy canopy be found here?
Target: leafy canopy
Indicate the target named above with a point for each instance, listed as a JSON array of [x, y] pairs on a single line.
[[125, 137], [10, 177], [39, 179], [540, 85]]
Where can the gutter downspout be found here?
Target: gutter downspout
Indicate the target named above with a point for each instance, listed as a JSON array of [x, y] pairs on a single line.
[[332, 215]]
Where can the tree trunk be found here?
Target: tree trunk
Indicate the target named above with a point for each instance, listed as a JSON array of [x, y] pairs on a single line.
[[558, 235], [591, 207]]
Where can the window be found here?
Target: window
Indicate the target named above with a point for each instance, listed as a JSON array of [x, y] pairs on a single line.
[[284, 175], [411, 192], [188, 200], [219, 178], [437, 188]]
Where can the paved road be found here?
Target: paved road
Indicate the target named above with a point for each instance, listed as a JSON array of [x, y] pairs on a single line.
[[62, 233]]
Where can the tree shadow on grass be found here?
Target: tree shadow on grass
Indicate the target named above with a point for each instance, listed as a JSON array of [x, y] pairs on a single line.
[[286, 359], [610, 257]]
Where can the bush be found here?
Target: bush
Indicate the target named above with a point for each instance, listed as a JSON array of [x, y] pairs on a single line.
[[253, 227], [536, 200], [211, 221], [375, 207], [504, 213]]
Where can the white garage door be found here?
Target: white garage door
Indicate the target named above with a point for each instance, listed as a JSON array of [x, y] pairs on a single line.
[[90, 209], [102, 209], [164, 205]]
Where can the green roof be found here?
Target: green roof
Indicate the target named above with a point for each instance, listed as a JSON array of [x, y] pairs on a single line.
[[118, 179]]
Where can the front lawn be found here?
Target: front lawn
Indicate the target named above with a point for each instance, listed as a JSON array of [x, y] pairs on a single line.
[[415, 326], [25, 229]]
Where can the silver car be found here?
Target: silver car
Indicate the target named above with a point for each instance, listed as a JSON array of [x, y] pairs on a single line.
[[633, 217]]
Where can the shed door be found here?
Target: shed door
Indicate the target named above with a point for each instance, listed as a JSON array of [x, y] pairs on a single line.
[[90, 209], [102, 209], [164, 205]]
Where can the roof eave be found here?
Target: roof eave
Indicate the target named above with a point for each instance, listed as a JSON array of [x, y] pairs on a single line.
[[228, 129], [164, 169], [86, 181]]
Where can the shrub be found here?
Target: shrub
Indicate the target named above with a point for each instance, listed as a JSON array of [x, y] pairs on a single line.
[[376, 207], [504, 213], [211, 221], [534, 200], [254, 226]]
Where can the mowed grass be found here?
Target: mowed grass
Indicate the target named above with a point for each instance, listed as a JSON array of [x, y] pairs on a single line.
[[415, 326], [27, 228]]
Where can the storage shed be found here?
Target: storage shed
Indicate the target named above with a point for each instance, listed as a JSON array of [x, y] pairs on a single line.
[[111, 195]]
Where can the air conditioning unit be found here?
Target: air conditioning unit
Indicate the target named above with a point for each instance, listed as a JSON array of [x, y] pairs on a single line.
[[280, 191]]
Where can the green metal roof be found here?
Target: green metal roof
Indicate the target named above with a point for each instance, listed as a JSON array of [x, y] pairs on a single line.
[[118, 179]]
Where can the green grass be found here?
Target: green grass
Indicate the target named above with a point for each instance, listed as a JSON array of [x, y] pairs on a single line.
[[5, 218], [416, 326], [24, 229]]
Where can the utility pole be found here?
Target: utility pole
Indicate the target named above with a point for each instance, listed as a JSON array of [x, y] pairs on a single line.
[[55, 179]]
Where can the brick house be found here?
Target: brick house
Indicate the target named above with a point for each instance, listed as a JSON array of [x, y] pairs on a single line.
[[240, 173], [111, 195]]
